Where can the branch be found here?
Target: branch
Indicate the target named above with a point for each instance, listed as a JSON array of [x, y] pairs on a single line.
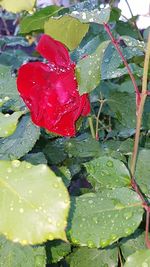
[[141, 108], [116, 45]]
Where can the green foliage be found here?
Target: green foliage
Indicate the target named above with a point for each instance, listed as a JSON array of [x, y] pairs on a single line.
[[66, 29], [105, 225], [95, 15], [100, 219], [21, 141], [8, 90], [56, 250], [85, 257], [8, 123], [106, 172], [34, 219], [138, 259], [88, 70], [17, 6], [142, 170], [13, 255], [131, 244], [36, 21]]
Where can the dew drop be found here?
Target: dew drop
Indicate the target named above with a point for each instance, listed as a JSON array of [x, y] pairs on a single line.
[[128, 215], [16, 163], [90, 244], [21, 210], [109, 163], [83, 15], [6, 98], [9, 170], [128, 231]]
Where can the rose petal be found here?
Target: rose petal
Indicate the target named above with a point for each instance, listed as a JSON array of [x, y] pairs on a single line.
[[54, 51], [66, 126], [86, 108]]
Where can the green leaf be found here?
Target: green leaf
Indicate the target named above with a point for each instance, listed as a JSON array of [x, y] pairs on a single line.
[[143, 171], [35, 158], [123, 106], [106, 172], [131, 244], [95, 15], [140, 258], [14, 255], [65, 174], [8, 123], [112, 65], [68, 30], [14, 57], [88, 70], [131, 42], [17, 6], [55, 152], [126, 28], [21, 142], [100, 219], [57, 250], [36, 203], [85, 257], [36, 21], [8, 90], [83, 146]]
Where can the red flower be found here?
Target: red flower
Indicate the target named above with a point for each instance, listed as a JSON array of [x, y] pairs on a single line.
[[50, 90]]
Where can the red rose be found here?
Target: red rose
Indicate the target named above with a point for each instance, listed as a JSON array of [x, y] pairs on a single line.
[[50, 90]]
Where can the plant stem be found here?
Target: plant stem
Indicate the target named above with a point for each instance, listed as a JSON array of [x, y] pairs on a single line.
[[141, 108], [147, 241], [91, 127], [102, 101], [116, 45]]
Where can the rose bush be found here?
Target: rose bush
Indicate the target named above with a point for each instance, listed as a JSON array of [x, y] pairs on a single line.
[[50, 90]]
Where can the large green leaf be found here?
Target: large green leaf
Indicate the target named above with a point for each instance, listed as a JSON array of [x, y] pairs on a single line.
[[17, 6], [36, 21], [68, 30], [131, 244], [83, 146], [34, 200], [143, 170], [21, 142], [85, 257], [88, 70], [140, 258], [95, 15], [106, 172], [99, 219], [8, 123], [15, 255], [8, 90]]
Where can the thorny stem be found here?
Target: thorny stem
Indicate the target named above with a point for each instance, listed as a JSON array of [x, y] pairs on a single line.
[[116, 45], [137, 136], [140, 107], [140, 36]]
